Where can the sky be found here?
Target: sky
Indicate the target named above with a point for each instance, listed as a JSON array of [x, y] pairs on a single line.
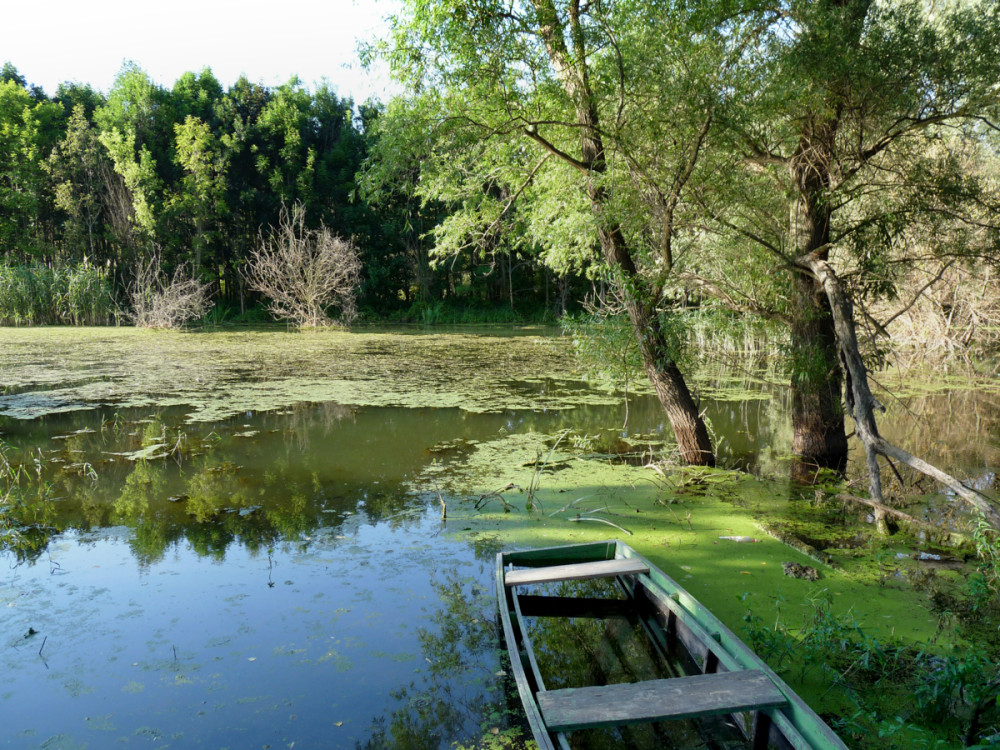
[[87, 41]]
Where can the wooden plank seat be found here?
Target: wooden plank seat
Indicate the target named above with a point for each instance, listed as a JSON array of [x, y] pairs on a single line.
[[575, 572], [570, 709]]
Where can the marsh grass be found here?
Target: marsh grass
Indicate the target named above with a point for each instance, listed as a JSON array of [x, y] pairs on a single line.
[[460, 312], [78, 295]]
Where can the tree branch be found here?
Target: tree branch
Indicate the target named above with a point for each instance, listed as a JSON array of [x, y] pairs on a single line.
[[920, 292], [532, 133]]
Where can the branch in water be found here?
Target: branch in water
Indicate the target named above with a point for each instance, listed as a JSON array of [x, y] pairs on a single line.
[[601, 520]]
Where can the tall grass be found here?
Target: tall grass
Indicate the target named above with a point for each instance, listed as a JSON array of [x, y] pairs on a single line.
[[37, 295]]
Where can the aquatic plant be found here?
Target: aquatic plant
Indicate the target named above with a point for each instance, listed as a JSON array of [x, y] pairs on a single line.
[[507, 739], [900, 695]]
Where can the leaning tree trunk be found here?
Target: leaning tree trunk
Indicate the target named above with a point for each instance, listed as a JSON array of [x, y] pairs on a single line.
[[693, 440], [572, 70], [862, 405]]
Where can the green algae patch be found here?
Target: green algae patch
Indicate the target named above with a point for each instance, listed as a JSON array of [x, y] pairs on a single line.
[[711, 531], [700, 526], [220, 374]]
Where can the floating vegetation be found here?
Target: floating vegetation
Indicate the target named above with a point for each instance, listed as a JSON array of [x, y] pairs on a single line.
[[49, 371]]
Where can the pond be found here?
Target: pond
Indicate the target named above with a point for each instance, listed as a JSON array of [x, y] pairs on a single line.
[[268, 539]]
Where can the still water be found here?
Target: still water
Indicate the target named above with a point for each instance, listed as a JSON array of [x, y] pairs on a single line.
[[248, 550]]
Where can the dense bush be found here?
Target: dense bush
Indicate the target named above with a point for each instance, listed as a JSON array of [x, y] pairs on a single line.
[[79, 295]]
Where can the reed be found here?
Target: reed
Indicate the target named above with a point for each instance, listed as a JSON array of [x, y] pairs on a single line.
[[38, 295]]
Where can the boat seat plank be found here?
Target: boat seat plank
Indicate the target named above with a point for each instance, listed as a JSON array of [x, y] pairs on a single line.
[[571, 709], [575, 572]]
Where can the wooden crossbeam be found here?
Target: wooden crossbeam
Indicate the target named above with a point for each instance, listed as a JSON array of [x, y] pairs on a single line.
[[575, 572], [571, 709]]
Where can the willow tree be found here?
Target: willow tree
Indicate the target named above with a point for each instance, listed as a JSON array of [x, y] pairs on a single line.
[[845, 164], [560, 126]]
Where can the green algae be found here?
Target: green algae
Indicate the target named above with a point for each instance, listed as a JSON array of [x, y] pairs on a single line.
[[681, 519], [221, 374], [696, 525]]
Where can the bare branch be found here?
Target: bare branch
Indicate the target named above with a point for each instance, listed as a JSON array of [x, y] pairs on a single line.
[[532, 133], [159, 303], [303, 272], [920, 292]]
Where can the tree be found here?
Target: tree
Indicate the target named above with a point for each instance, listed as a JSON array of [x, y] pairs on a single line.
[[304, 272], [288, 163], [77, 167], [199, 196], [131, 131], [842, 151], [25, 130], [539, 102]]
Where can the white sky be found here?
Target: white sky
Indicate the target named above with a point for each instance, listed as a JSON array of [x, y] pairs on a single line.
[[51, 41]]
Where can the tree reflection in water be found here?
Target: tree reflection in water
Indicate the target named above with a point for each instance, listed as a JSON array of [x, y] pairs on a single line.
[[466, 690]]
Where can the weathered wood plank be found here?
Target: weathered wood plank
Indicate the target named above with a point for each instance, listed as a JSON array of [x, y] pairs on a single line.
[[575, 572], [658, 700]]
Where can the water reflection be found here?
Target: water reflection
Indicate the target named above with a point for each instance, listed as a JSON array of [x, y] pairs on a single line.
[[276, 577], [318, 643], [262, 478]]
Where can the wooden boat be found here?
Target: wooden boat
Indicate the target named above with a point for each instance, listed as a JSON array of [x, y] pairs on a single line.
[[723, 677]]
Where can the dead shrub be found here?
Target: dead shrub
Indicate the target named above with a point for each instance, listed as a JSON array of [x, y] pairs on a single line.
[[159, 301], [304, 272]]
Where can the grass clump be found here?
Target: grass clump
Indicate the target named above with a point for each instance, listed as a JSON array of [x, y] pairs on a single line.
[[38, 295]]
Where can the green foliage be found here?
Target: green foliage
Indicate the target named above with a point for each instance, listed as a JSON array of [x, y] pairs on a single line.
[[900, 696], [464, 312], [987, 540], [606, 346]]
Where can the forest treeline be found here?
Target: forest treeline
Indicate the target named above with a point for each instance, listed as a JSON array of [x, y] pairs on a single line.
[[93, 185]]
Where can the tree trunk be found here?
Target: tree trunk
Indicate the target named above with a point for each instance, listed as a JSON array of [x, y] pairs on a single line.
[[862, 405], [689, 428], [574, 74], [818, 434], [693, 440]]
